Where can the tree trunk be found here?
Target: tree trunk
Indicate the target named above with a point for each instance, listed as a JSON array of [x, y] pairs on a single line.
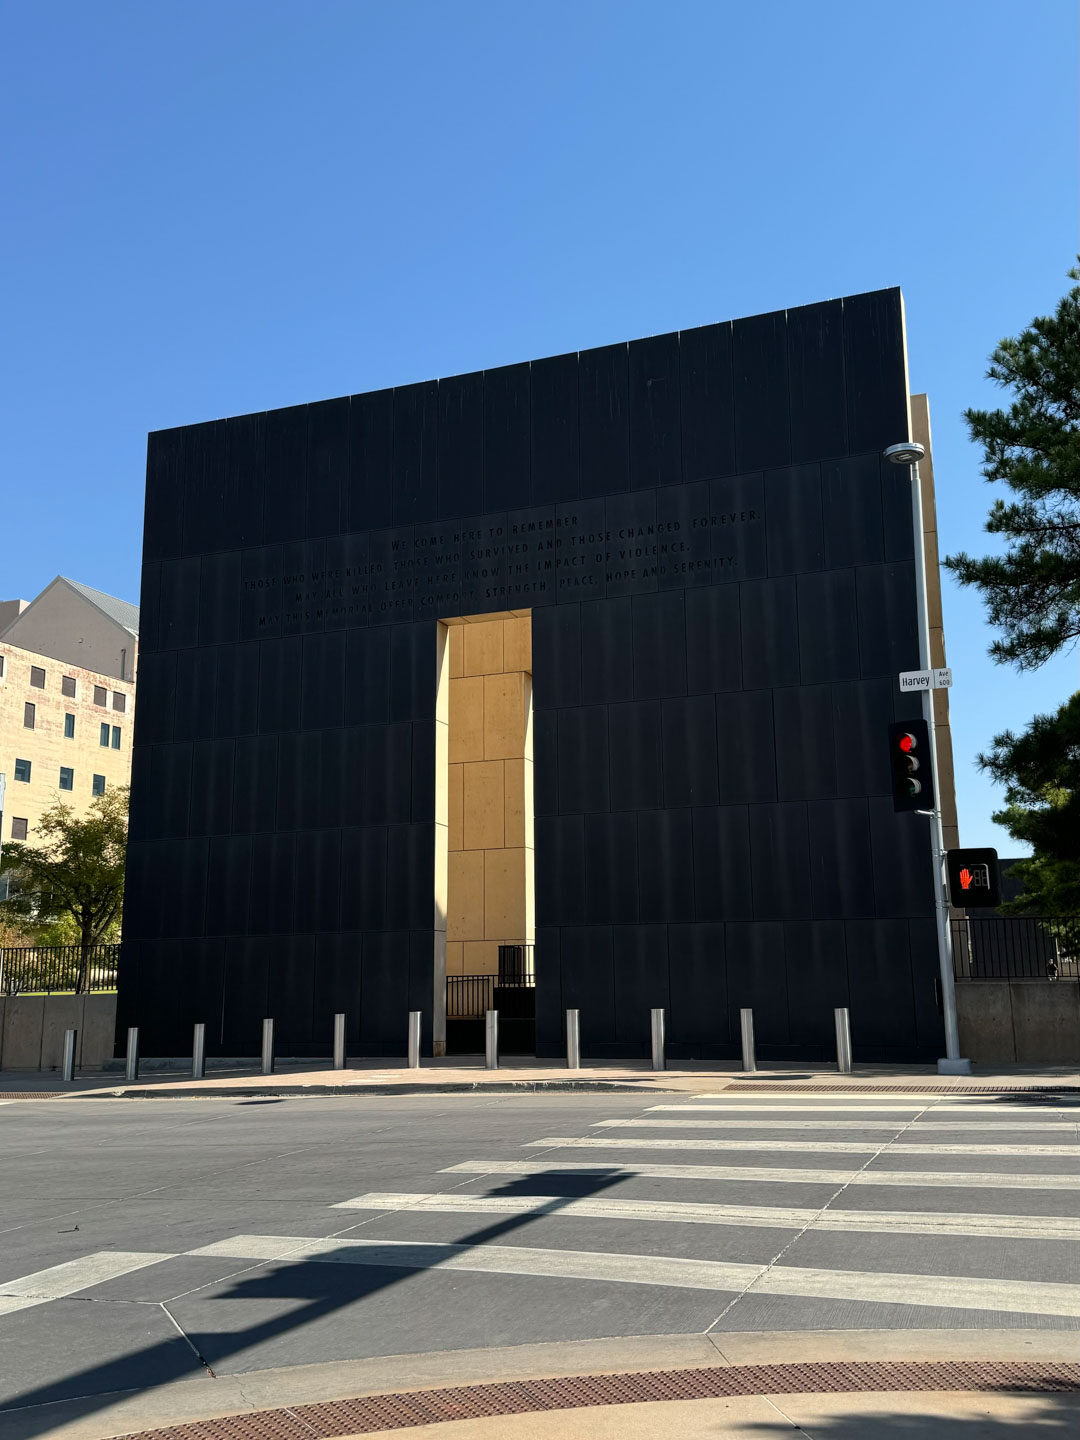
[[82, 983]]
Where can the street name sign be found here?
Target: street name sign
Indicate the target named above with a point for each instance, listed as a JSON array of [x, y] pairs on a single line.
[[940, 679]]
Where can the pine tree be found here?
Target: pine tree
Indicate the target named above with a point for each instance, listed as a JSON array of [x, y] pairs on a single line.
[[1032, 591], [1040, 770]]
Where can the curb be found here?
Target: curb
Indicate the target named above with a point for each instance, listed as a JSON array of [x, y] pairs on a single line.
[[299, 1092]]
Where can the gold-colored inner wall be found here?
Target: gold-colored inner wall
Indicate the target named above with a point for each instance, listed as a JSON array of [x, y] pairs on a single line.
[[490, 845]]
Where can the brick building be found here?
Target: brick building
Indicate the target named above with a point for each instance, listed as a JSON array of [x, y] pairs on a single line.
[[68, 662]]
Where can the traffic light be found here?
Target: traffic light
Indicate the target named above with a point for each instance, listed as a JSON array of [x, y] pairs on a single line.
[[974, 878], [912, 766]]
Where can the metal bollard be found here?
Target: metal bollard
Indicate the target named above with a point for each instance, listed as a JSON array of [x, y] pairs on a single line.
[[268, 1047], [842, 1016], [491, 1039], [339, 1041], [198, 1053], [657, 1022], [573, 1039], [746, 1025], [414, 1039], [132, 1069], [70, 1037]]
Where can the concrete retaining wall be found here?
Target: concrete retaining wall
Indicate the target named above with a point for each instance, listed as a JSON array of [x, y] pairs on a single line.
[[32, 1030], [1019, 1022]]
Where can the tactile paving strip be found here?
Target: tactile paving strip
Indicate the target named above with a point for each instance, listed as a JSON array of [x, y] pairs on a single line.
[[371, 1414], [35, 1094]]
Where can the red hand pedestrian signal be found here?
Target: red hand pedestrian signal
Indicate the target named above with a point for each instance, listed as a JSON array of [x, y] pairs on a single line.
[[974, 878]]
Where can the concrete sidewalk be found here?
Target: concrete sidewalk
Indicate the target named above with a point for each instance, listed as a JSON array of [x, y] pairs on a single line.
[[464, 1074], [264, 1401]]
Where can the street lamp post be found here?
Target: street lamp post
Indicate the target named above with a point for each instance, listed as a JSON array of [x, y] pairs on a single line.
[[910, 453]]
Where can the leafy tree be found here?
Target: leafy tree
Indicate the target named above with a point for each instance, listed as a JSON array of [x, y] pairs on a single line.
[[1040, 770], [12, 931], [1032, 590], [74, 869]]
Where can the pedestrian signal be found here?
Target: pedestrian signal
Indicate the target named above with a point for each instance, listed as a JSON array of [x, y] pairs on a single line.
[[974, 878]]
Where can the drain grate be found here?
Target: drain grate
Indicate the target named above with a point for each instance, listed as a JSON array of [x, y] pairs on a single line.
[[34, 1094], [370, 1414]]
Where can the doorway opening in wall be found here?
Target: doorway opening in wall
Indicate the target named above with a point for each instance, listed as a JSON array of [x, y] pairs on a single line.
[[484, 890]]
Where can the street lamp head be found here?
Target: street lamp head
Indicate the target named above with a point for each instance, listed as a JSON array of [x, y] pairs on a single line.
[[908, 453]]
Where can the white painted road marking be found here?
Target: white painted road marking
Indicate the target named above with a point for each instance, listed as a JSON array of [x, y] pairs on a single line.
[[751, 1107], [838, 1147], [943, 1292], [72, 1276], [907, 1222], [927, 1097], [1071, 1115], [914, 1179], [752, 1123]]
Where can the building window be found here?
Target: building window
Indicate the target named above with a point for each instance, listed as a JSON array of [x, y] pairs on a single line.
[[22, 771], [67, 778], [18, 828], [29, 716], [99, 784], [1, 667], [119, 702], [69, 727], [105, 735], [116, 737], [37, 677], [101, 695], [67, 686]]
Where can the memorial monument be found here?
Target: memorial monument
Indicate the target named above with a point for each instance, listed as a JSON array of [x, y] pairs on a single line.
[[674, 771]]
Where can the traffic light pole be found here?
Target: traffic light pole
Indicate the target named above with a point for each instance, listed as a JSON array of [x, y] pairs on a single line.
[[953, 1064]]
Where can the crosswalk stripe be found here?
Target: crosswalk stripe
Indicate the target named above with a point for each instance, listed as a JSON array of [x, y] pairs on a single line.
[[912, 1179], [940, 1291], [924, 1114], [907, 1222], [838, 1096], [72, 1276], [728, 1123], [753, 1106], [838, 1147]]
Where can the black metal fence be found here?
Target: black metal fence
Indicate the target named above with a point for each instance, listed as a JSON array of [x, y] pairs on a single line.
[[516, 965], [48, 969], [1016, 947], [469, 996]]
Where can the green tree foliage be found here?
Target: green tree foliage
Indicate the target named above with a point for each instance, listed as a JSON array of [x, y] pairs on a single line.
[[1032, 590], [73, 871], [1040, 770]]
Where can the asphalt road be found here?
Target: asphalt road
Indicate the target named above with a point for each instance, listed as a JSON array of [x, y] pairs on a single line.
[[148, 1241]]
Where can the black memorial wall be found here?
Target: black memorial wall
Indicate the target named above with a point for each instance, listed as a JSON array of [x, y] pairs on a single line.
[[720, 572]]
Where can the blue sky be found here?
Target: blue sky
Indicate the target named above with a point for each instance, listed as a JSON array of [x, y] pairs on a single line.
[[220, 207]]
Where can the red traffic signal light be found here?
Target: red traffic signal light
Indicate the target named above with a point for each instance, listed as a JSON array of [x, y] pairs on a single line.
[[912, 773]]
